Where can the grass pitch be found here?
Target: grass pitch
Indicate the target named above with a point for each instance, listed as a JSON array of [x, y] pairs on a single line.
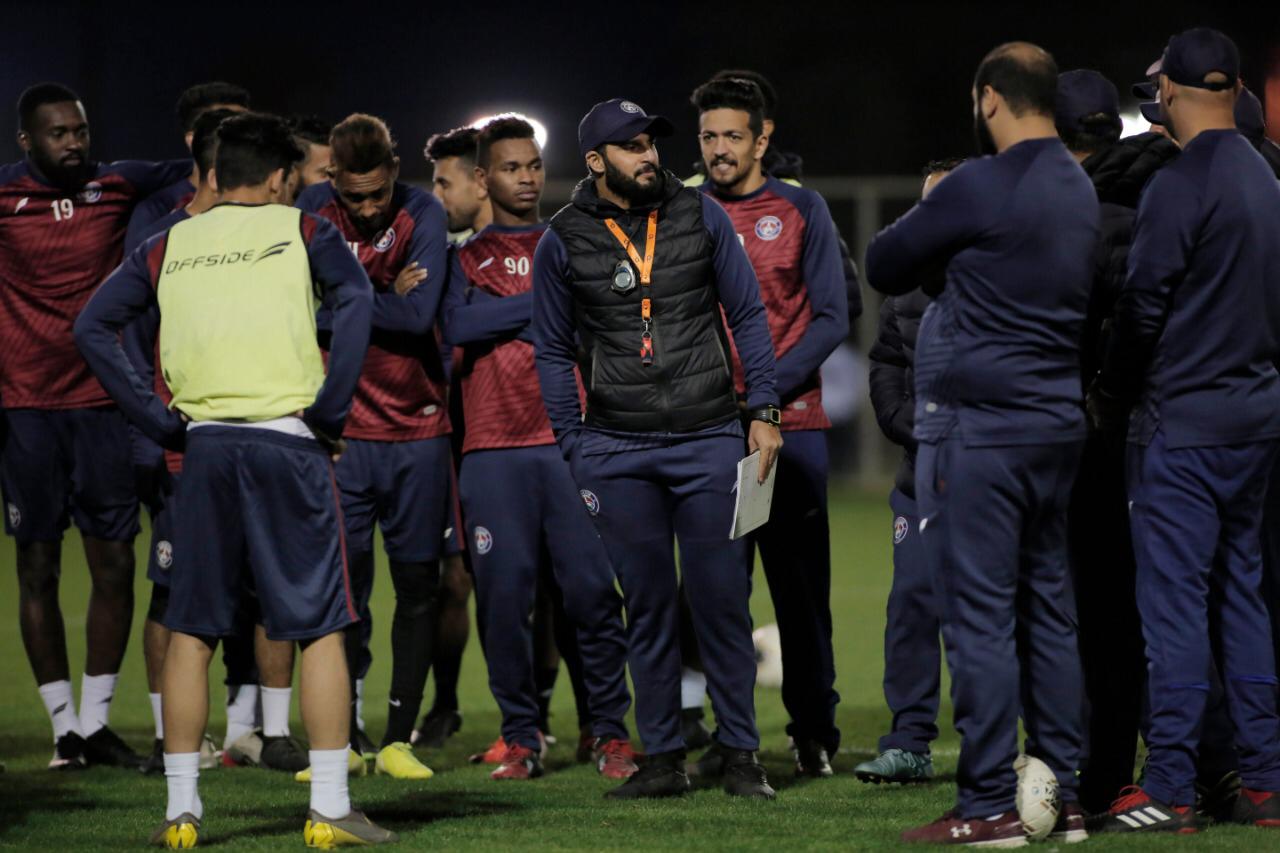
[[461, 809]]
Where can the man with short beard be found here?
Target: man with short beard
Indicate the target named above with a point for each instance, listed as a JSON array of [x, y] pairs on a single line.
[[1000, 427], [66, 456], [640, 268], [789, 236], [453, 163]]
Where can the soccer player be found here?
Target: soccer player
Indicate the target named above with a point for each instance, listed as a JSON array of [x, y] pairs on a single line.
[[789, 236], [1000, 427], [645, 270], [312, 135], [912, 660], [1192, 354], [245, 742], [193, 101], [396, 470], [518, 495], [453, 181], [237, 290], [66, 456]]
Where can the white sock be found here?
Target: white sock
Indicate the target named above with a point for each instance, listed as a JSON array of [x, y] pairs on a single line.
[[95, 701], [693, 689], [275, 711], [360, 704], [61, 706], [241, 701], [159, 717], [182, 773], [329, 782]]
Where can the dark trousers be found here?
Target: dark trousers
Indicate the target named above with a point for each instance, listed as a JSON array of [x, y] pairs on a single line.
[[993, 523], [795, 548], [521, 504], [1196, 514], [1111, 649], [912, 637], [644, 499]]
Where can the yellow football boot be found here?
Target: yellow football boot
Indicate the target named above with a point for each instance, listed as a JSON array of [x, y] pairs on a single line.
[[326, 833], [181, 833], [398, 761], [355, 767]]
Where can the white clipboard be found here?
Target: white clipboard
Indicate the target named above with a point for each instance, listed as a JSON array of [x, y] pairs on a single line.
[[753, 499]]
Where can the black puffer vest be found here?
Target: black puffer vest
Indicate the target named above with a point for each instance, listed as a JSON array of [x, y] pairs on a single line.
[[689, 386]]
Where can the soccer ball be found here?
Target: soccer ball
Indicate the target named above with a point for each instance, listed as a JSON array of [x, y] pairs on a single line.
[[768, 656], [1038, 800]]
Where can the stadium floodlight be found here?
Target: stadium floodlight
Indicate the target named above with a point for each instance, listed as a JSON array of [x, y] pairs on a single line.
[[539, 129], [1133, 123]]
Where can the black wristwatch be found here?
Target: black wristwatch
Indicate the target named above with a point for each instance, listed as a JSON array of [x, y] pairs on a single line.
[[770, 414]]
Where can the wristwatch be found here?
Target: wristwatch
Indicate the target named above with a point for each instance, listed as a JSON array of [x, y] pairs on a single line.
[[770, 414]]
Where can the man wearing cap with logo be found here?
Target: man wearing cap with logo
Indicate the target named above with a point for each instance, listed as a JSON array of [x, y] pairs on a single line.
[[1192, 352], [639, 268]]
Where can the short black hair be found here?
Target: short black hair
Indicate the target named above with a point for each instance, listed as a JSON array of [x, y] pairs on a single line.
[[1092, 133], [1025, 75], [459, 142], [198, 98], [943, 164], [312, 130], [503, 127], [37, 96], [250, 147], [362, 143], [767, 91], [733, 93], [204, 137]]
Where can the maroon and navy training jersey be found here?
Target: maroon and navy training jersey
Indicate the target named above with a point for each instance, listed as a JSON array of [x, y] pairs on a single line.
[[403, 389], [793, 246], [489, 304], [56, 246]]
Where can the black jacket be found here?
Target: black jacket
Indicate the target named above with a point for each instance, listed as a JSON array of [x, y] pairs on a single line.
[[690, 386], [893, 396]]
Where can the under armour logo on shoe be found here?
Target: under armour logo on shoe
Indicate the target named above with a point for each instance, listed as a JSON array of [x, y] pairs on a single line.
[[958, 831]]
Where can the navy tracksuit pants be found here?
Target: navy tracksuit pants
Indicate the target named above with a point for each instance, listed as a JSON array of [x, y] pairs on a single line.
[[1195, 514], [994, 528], [912, 656], [795, 549], [519, 505], [644, 498]]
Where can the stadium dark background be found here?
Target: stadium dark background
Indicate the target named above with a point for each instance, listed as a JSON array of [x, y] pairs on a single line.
[[865, 88]]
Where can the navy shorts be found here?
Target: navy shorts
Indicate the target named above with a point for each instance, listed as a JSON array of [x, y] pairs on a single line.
[[258, 507], [404, 487], [69, 465]]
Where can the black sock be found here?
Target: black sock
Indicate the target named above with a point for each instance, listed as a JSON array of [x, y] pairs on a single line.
[[544, 682], [412, 636], [361, 576]]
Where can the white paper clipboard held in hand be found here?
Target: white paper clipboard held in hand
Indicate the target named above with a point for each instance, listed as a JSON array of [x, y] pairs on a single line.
[[753, 498]]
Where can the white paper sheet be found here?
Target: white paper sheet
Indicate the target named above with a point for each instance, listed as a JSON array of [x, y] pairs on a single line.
[[753, 498]]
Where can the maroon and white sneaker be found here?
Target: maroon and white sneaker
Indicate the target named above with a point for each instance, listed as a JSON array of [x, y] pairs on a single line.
[[1001, 831], [1070, 828], [615, 759], [1136, 811], [518, 762], [1258, 808]]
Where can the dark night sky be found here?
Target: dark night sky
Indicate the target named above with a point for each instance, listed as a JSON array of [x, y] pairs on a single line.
[[865, 89]]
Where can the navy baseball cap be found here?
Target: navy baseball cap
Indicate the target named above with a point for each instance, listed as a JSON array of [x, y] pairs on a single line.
[[618, 120], [1084, 92], [1250, 119], [1195, 54]]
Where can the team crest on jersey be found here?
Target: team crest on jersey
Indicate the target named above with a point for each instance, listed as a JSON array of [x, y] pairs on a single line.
[[628, 107], [92, 192], [768, 228], [15, 517], [385, 240], [900, 528], [593, 503], [484, 540], [164, 554]]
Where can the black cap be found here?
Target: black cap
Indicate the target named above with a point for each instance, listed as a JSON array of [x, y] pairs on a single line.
[[1084, 93], [1151, 112], [1195, 54], [1250, 119], [617, 121], [1145, 90]]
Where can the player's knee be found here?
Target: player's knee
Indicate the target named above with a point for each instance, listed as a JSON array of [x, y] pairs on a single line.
[[417, 586], [38, 578]]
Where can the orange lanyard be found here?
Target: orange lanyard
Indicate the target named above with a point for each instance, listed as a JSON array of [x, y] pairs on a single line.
[[645, 267]]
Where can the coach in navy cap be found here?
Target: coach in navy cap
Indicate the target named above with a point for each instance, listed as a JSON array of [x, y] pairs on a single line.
[[637, 269], [1191, 365]]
